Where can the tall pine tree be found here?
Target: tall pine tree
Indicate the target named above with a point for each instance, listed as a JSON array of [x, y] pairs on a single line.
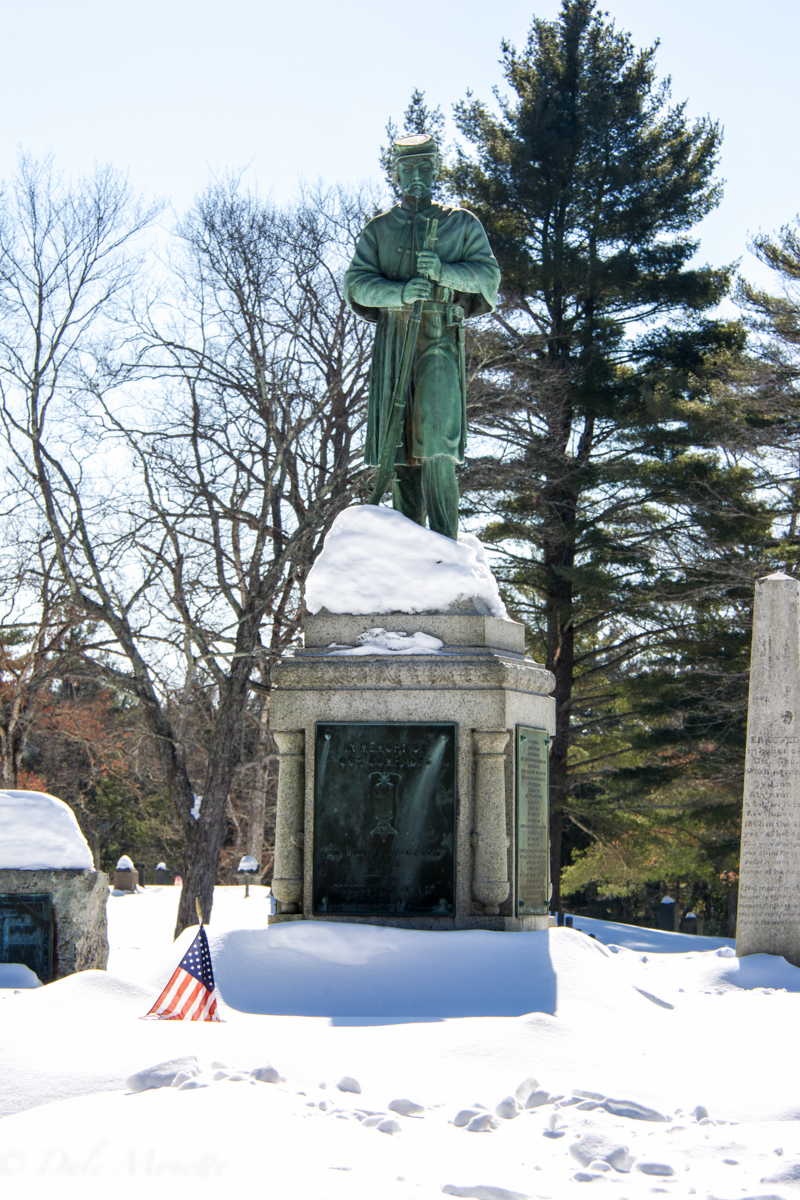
[[625, 526]]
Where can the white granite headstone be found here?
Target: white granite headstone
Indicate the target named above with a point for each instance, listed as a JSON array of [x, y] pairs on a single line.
[[768, 920]]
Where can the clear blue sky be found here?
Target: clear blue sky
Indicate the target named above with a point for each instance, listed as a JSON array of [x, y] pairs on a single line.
[[169, 89]]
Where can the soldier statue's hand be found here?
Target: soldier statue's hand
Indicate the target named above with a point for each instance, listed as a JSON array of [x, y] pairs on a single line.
[[416, 289], [430, 265]]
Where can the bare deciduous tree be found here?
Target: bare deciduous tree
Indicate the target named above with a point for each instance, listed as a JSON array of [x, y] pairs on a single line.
[[38, 630], [188, 473], [254, 454]]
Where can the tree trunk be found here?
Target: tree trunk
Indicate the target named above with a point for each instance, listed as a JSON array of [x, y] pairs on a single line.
[[204, 836], [556, 831], [559, 559], [561, 495]]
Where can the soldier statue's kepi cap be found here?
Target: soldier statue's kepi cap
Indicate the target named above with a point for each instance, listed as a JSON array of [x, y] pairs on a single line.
[[414, 145]]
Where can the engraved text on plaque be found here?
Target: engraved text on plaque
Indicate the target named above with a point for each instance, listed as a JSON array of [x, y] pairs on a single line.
[[384, 819], [532, 832]]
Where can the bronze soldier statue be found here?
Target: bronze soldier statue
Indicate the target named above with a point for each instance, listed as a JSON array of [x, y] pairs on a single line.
[[419, 271]]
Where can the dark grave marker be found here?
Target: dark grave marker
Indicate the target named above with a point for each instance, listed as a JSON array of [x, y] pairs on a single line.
[[532, 821], [666, 914], [384, 819], [26, 932]]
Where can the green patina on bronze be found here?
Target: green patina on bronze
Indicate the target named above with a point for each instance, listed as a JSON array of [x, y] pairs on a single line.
[[27, 932], [532, 752], [458, 279], [384, 819]]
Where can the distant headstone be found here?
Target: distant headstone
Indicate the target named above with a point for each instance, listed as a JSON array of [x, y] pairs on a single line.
[[126, 881], [666, 914], [126, 877], [162, 875], [79, 941], [52, 901], [768, 920]]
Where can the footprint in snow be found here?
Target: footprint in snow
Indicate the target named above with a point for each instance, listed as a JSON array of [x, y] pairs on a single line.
[[483, 1192], [483, 1123], [381, 1122], [597, 1147], [649, 1167], [406, 1108], [464, 1117], [507, 1109], [788, 1174], [348, 1084], [525, 1089], [265, 1075], [528, 1094], [633, 1110], [162, 1074], [183, 1077]]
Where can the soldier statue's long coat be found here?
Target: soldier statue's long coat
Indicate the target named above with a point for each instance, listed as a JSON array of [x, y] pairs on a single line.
[[385, 259]]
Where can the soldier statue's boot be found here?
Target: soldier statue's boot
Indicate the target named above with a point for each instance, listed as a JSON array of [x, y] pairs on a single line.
[[440, 491]]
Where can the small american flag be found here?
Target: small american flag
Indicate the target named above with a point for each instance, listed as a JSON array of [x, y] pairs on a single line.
[[189, 995]]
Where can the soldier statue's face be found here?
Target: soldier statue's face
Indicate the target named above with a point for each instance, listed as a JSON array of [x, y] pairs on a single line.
[[417, 174]]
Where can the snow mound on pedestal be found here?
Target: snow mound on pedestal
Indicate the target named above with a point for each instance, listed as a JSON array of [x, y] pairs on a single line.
[[39, 832], [375, 560]]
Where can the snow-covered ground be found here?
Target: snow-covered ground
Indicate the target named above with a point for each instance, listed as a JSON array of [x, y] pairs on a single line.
[[487, 1065]]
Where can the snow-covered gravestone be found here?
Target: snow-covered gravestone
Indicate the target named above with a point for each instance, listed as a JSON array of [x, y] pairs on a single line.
[[126, 877], [768, 920], [413, 739], [52, 900]]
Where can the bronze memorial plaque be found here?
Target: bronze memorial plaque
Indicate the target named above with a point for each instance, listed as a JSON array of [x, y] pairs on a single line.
[[26, 931], [384, 819], [533, 833]]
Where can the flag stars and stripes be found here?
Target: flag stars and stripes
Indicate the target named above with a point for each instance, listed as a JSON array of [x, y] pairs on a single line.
[[189, 995]]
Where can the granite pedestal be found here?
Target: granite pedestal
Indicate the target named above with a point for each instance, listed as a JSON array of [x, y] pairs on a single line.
[[392, 758]]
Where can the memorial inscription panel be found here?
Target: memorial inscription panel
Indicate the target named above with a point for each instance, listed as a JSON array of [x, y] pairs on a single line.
[[532, 873], [769, 897], [26, 932], [384, 819]]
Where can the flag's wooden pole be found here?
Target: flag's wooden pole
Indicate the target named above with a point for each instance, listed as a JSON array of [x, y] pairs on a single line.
[[199, 910]]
